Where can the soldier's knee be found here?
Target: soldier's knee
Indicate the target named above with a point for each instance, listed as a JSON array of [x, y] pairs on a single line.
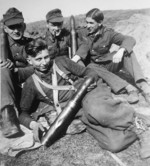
[[5, 74]]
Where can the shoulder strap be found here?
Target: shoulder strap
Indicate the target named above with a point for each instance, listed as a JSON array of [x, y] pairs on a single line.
[[62, 74], [55, 91], [55, 94], [53, 87], [38, 86]]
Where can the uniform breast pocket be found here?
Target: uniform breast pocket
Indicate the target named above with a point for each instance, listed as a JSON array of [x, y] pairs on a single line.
[[103, 48]]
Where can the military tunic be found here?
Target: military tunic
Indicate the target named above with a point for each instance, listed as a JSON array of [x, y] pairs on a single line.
[[98, 46], [58, 46], [95, 50], [10, 81], [18, 57]]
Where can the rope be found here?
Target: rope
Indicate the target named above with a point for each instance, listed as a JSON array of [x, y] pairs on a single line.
[[116, 159]]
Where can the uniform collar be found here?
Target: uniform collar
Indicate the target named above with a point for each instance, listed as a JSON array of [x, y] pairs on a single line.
[[12, 41], [98, 33], [101, 30], [45, 76]]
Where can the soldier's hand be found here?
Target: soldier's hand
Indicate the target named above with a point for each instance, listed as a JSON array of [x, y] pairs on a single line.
[[117, 58], [2, 64], [92, 86], [81, 63], [37, 128], [7, 64]]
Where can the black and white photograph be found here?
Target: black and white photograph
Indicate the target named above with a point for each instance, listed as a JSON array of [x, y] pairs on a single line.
[[74, 83]]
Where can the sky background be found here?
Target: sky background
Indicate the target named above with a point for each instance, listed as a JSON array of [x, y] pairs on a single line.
[[35, 10]]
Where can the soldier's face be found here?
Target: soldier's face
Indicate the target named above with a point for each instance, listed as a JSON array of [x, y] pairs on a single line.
[[55, 28], [92, 25], [15, 31], [41, 62]]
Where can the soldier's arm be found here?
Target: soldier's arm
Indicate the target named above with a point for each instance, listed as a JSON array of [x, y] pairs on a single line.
[[83, 49], [83, 46], [124, 41], [75, 69], [24, 73]]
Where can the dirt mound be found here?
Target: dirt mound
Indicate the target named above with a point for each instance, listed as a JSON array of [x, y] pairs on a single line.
[[138, 26]]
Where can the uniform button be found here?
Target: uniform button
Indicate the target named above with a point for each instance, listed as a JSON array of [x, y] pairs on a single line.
[[93, 51], [57, 105], [96, 60], [16, 45], [16, 54]]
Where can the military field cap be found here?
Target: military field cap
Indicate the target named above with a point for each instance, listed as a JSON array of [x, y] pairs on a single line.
[[13, 16], [54, 15]]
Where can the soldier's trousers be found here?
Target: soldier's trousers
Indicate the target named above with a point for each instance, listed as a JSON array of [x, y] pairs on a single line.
[[108, 120], [129, 63], [7, 88], [115, 82], [10, 91]]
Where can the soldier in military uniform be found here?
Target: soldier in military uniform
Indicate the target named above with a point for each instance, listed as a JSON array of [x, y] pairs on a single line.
[[14, 70], [57, 38], [96, 42], [58, 41]]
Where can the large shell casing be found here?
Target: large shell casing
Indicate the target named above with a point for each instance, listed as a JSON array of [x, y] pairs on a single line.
[[66, 116]]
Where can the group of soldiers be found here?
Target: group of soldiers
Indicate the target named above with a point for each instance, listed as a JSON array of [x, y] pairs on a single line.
[[40, 71]]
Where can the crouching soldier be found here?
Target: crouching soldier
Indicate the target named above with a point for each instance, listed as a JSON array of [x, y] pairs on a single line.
[[14, 69], [113, 123], [57, 37]]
